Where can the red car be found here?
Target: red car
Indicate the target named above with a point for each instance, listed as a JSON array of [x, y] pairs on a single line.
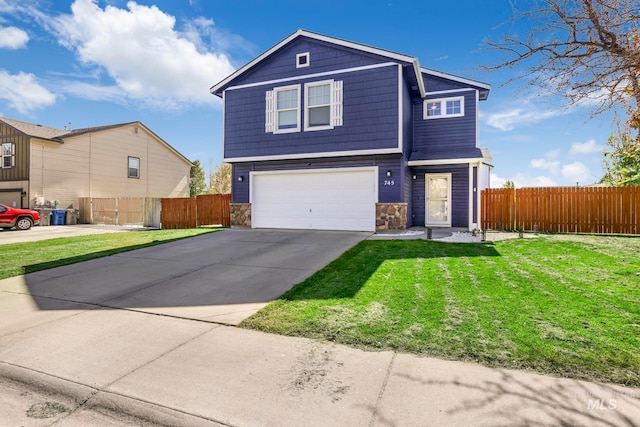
[[22, 219]]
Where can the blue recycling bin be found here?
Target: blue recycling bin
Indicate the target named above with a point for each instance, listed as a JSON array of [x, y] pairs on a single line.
[[57, 216]]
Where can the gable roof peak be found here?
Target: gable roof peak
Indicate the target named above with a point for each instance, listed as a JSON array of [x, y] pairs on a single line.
[[219, 87]]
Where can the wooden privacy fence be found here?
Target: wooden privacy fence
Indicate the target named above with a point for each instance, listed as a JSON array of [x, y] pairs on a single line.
[[206, 209], [144, 211], [608, 210]]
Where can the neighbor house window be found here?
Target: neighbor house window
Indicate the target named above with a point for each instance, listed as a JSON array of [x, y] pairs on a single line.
[[134, 167], [322, 107], [443, 107], [8, 155]]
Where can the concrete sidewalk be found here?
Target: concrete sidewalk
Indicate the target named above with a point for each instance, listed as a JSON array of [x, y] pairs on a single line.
[[120, 367]]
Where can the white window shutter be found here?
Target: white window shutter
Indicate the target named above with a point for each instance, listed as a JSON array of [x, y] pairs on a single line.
[[269, 112], [336, 107], [13, 155]]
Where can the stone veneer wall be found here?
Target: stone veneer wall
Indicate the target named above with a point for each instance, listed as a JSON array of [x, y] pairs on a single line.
[[391, 216], [241, 215]]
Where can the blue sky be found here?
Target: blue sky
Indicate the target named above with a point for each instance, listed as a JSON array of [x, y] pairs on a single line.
[[96, 62]]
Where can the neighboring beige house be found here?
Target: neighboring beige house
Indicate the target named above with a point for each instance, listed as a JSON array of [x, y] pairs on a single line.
[[41, 166]]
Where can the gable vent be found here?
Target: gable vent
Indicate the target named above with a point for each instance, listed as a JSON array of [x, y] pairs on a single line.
[[302, 60]]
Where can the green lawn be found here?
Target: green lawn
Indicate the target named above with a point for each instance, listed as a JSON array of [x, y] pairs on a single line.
[[22, 258], [564, 305]]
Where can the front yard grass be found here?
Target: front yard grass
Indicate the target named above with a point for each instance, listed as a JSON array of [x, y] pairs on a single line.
[[563, 305], [28, 257]]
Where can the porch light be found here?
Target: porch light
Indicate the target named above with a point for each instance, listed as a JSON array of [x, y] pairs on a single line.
[[240, 178], [388, 173], [414, 177]]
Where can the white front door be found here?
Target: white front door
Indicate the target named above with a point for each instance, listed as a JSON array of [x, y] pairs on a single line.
[[438, 199]]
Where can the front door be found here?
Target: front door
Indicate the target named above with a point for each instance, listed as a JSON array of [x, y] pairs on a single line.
[[438, 199]]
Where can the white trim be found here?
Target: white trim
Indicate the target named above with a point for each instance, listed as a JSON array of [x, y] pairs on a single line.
[[444, 161], [477, 117], [333, 40], [455, 78], [306, 105], [472, 225], [400, 103], [449, 176], [440, 92], [443, 108], [375, 169], [276, 116], [313, 155], [224, 108], [311, 76], [301, 55], [416, 70]]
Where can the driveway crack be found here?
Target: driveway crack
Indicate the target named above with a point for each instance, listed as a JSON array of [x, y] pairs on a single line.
[[374, 415]]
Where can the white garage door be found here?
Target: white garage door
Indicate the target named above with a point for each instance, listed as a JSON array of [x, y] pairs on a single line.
[[339, 199]]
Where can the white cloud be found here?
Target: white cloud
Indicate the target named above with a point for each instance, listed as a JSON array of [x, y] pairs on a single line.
[[496, 181], [510, 119], [522, 180], [142, 52], [577, 172], [589, 146], [550, 165], [23, 92], [552, 154], [13, 38]]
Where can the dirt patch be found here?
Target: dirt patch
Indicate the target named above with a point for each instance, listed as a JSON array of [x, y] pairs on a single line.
[[46, 410], [318, 372]]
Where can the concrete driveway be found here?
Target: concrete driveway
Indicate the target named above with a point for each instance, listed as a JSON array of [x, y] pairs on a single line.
[[51, 232], [222, 277]]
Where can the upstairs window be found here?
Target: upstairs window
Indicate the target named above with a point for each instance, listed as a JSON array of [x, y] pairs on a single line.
[[318, 106], [8, 155], [443, 107], [322, 107], [283, 109], [134, 167]]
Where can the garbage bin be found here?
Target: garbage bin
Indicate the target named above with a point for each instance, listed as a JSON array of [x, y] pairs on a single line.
[[72, 216], [57, 216], [45, 216]]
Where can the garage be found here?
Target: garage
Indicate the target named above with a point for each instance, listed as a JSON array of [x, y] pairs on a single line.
[[335, 199], [11, 198]]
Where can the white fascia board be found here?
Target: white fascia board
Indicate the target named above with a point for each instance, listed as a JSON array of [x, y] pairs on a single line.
[[328, 39], [444, 92], [312, 155], [456, 78], [444, 161]]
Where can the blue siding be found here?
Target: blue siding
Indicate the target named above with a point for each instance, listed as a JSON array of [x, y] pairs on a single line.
[[446, 134], [370, 118], [435, 84], [386, 193], [323, 57], [459, 193]]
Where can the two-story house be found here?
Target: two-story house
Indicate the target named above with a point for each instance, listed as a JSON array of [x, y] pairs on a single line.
[[325, 133], [41, 165]]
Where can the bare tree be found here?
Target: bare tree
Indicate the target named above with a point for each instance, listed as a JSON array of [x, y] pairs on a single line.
[[220, 180], [585, 50]]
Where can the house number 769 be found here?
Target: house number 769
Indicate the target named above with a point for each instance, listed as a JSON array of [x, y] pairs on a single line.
[[389, 182]]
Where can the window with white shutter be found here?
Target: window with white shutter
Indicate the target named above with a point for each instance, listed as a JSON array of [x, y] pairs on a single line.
[[282, 109], [323, 105]]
